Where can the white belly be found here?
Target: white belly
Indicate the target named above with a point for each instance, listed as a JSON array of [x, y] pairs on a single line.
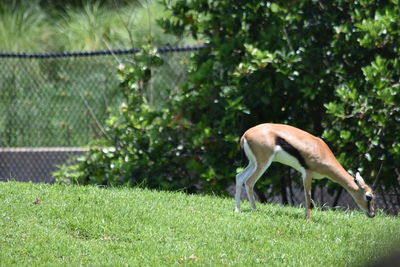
[[318, 176], [285, 158]]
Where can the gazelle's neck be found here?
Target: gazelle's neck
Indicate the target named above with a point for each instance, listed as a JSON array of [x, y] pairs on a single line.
[[342, 177]]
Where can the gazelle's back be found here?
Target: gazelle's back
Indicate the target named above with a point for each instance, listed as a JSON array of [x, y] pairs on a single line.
[[314, 151]]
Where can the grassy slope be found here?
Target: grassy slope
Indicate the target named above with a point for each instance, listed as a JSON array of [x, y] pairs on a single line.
[[70, 225]]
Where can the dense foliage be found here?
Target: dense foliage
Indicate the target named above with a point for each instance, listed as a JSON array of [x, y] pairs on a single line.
[[366, 111], [265, 61]]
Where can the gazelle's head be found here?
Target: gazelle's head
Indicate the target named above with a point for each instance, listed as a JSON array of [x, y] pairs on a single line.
[[364, 196]]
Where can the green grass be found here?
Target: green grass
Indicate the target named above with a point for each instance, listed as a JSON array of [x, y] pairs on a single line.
[[50, 225]]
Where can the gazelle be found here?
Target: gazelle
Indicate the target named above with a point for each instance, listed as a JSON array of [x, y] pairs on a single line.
[[310, 155]]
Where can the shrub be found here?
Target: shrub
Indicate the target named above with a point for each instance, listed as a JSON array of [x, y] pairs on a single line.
[[263, 62]]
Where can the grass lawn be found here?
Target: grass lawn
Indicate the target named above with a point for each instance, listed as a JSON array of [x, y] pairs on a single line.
[[51, 225]]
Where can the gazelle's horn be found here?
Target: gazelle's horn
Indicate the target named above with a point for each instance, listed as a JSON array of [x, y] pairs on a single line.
[[374, 185]]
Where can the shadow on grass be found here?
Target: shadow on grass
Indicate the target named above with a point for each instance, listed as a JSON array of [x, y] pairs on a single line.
[[277, 212]]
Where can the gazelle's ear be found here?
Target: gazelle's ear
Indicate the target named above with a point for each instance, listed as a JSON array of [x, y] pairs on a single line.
[[359, 181]]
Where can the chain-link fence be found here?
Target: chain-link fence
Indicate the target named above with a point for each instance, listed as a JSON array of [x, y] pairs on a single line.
[[62, 99], [53, 105]]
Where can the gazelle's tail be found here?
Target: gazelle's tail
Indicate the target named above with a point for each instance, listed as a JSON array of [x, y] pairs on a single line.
[[242, 142]]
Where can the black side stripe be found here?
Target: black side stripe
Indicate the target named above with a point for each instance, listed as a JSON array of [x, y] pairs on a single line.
[[291, 150]]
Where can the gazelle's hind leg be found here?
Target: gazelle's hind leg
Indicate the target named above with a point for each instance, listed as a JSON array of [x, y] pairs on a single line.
[[250, 175], [242, 178], [261, 168]]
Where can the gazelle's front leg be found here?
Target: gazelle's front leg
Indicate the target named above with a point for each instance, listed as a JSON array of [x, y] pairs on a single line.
[[307, 192]]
